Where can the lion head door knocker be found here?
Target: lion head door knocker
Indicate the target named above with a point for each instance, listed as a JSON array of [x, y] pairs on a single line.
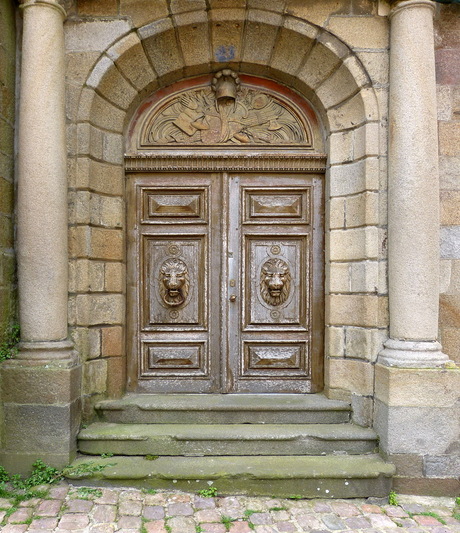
[[275, 281], [174, 282]]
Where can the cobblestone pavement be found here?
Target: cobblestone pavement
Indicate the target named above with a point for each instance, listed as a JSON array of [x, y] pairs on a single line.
[[102, 510]]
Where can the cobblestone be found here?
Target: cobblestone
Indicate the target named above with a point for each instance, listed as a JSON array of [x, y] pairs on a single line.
[[120, 510]]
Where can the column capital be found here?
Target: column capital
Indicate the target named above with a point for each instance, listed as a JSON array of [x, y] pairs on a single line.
[[54, 4], [399, 5]]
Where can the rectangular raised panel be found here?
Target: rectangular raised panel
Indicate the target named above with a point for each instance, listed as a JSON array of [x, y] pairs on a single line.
[[171, 358], [179, 206], [279, 206], [276, 274], [274, 359], [175, 282]]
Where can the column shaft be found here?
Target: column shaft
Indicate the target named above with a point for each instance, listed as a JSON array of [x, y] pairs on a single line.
[[42, 185], [413, 190]]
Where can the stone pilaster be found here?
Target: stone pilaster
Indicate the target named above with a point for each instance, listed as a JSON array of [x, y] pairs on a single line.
[[41, 385], [413, 191]]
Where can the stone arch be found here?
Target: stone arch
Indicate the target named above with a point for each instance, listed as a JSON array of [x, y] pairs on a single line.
[[326, 72]]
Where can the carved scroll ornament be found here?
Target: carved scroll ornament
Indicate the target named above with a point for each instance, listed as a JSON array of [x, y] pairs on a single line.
[[225, 113], [174, 282], [275, 281]]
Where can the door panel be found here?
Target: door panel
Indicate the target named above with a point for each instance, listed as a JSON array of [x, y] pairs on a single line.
[[225, 283], [176, 327], [270, 337]]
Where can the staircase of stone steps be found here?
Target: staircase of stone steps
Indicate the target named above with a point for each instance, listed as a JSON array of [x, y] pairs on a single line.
[[280, 445]]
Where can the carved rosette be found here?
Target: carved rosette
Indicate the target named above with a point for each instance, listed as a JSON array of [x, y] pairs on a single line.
[[225, 113]]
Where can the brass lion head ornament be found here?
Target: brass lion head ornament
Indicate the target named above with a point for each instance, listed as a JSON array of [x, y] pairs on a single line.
[[275, 281], [174, 282]]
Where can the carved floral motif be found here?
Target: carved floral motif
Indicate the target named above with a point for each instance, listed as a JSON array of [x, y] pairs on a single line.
[[275, 281], [199, 117]]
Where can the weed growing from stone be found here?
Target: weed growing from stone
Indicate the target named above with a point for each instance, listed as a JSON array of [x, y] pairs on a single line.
[[149, 491], [18, 489], [227, 521], [105, 455], [10, 511], [4, 476], [9, 346], [143, 528], [434, 515], [294, 497], [83, 469], [87, 493], [151, 457], [250, 512], [26, 522], [456, 513], [208, 493], [198, 529], [278, 509], [393, 498]]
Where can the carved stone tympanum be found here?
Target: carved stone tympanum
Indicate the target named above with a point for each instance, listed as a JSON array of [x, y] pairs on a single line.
[[227, 112], [275, 281], [174, 282]]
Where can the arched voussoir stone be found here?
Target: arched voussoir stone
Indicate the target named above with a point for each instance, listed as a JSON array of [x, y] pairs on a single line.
[[260, 34], [294, 42], [226, 32], [194, 35], [162, 49], [154, 57], [129, 56]]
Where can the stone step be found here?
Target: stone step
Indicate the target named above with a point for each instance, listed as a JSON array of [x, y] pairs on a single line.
[[224, 409], [343, 476], [231, 439]]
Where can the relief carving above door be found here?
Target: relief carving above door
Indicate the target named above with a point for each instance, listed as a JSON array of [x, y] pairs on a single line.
[[225, 113]]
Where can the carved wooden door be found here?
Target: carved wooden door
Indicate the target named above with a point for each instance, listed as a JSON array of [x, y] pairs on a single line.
[[225, 282]]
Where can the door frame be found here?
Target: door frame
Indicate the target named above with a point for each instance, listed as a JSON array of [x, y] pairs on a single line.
[[280, 161]]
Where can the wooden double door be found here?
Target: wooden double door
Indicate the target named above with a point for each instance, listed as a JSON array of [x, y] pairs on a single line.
[[225, 282]]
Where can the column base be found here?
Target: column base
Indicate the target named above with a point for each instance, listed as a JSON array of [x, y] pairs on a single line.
[[41, 396], [412, 354], [46, 351]]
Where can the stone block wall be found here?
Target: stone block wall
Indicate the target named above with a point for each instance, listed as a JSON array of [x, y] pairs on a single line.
[[448, 80], [7, 116]]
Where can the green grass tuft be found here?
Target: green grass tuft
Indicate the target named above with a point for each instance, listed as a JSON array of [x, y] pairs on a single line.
[[208, 493], [393, 498]]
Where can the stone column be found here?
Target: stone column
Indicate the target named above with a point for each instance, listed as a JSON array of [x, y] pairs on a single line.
[[40, 387], [42, 185], [413, 191]]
